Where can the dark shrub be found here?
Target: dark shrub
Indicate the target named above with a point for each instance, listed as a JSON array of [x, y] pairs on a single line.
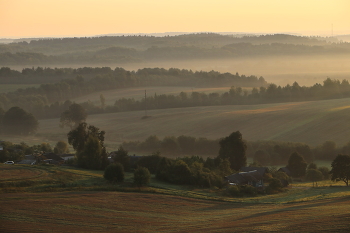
[[234, 190], [249, 190], [114, 172], [275, 186], [141, 176]]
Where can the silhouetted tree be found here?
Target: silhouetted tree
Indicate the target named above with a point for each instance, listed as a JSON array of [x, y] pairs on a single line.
[[233, 148], [88, 141], [72, 117], [18, 121], [61, 148], [341, 169], [297, 165], [121, 156]]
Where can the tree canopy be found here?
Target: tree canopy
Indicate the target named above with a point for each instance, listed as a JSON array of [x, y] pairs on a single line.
[[17, 121], [88, 141], [341, 169], [73, 116], [233, 148], [297, 165]]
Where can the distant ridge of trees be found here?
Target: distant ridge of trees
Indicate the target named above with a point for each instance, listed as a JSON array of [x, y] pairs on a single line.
[[130, 49]]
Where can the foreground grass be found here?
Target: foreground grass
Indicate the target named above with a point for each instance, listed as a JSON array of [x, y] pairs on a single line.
[[68, 199]]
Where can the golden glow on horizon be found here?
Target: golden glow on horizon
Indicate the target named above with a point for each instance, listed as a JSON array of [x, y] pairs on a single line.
[[24, 18]]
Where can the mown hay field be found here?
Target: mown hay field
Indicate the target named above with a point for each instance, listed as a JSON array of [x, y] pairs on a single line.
[[311, 122], [143, 212]]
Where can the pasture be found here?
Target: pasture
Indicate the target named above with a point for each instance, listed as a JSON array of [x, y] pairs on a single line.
[[81, 202]]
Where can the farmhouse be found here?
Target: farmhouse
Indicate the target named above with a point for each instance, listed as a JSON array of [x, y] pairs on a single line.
[[253, 178], [52, 158], [261, 170]]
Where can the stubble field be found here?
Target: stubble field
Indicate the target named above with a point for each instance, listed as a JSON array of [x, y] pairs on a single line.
[[142, 212], [68, 199]]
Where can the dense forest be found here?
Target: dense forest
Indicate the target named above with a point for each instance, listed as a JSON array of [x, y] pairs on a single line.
[[131, 49]]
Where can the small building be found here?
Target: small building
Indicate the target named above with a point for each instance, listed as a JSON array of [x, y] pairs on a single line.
[[27, 161], [67, 156], [52, 158], [253, 178], [261, 170]]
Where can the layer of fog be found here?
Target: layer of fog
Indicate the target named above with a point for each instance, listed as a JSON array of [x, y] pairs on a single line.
[[283, 70]]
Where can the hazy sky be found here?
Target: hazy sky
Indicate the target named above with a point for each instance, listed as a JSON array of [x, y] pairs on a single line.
[[32, 18]]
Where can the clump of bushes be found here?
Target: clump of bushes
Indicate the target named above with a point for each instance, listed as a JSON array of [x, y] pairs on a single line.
[[114, 172], [141, 176], [275, 186], [242, 190]]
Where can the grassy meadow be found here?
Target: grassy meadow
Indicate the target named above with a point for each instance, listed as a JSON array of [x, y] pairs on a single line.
[[309, 122], [57, 199]]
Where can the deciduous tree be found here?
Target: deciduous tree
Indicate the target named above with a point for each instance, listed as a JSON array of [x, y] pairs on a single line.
[[72, 117], [61, 147], [86, 139], [297, 165], [341, 169], [18, 121], [233, 148]]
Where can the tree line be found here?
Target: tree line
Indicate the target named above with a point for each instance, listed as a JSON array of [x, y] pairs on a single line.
[[47, 100], [265, 153], [126, 49], [129, 55], [236, 95]]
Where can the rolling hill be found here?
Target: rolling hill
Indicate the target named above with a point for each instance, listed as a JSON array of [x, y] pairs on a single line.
[[311, 122]]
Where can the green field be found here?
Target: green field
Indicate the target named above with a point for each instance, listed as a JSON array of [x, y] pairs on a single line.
[[64, 199]]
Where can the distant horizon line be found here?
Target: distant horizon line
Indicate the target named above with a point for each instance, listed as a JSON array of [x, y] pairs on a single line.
[[162, 34]]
